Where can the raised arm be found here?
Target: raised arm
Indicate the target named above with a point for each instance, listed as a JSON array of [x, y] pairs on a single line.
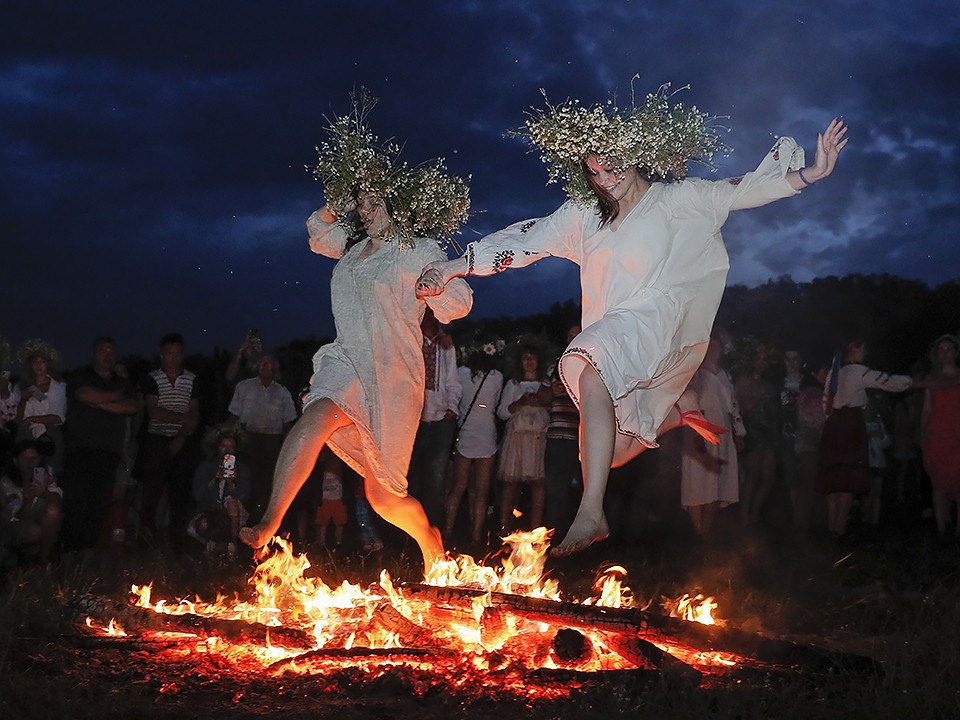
[[829, 144]]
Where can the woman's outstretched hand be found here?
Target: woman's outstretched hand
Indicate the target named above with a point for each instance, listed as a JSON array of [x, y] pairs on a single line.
[[829, 144], [436, 275]]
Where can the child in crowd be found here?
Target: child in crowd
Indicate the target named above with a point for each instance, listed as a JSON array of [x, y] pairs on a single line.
[[332, 508]]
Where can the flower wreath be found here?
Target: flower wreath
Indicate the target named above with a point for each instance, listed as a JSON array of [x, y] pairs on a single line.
[[425, 201], [40, 348], [654, 136]]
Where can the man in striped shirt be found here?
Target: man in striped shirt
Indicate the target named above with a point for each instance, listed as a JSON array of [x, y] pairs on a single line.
[[171, 448]]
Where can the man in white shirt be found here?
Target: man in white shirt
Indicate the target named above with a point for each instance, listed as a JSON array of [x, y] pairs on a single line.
[[266, 411], [438, 421]]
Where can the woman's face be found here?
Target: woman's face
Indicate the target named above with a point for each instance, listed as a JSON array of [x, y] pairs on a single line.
[[39, 366], [373, 213], [617, 183], [857, 354], [946, 353], [529, 363]]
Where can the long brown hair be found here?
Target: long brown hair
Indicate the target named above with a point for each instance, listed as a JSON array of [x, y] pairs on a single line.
[[607, 206]]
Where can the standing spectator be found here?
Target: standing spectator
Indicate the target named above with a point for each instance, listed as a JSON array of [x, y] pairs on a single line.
[[877, 443], [789, 391], [101, 403], [907, 410], [438, 421], [171, 447], [30, 507], [476, 444], [709, 473], [810, 419], [758, 404], [43, 399], [221, 490], [265, 410], [524, 441], [940, 423], [366, 520], [844, 469], [561, 457], [244, 364], [9, 400]]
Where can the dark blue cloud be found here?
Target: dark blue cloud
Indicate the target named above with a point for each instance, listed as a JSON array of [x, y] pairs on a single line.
[[154, 155]]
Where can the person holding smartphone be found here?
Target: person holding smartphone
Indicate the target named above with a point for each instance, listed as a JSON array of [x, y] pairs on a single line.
[[31, 505]]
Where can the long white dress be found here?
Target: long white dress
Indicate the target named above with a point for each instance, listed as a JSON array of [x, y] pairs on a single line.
[[374, 369], [651, 288], [710, 474]]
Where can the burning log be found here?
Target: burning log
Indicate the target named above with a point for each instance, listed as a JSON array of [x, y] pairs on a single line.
[[651, 627], [134, 618], [410, 634], [364, 652]]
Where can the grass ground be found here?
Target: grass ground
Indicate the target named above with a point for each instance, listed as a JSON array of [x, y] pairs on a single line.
[[891, 596]]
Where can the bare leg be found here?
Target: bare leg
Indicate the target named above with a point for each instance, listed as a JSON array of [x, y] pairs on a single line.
[[461, 478], [598, 430], [297, 457], [838, 511], [508, 496], [601, 448], [407, 514], [482, 472]]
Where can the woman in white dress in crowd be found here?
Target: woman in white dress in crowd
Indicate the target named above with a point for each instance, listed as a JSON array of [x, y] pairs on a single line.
[[709, 477], [366, 393], [42, 409], [652, 265], [524, 440], [475, 449]]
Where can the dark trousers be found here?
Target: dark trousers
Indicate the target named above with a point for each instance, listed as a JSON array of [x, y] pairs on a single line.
[[564, 485], [88, 478], [173, 472], [428, 466], [260, 452]]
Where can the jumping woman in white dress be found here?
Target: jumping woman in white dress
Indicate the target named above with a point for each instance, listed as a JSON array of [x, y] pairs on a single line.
[[366, 393], [652, 266]]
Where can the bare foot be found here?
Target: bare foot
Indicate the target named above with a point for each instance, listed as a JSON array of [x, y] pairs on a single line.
[[581, 535], [433, 551], [256, 536]]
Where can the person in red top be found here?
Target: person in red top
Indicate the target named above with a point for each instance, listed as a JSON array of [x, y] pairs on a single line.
[[940, 432]]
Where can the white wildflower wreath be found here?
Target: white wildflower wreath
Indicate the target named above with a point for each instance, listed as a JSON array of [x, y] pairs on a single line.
[[656, 137], [425, 200]]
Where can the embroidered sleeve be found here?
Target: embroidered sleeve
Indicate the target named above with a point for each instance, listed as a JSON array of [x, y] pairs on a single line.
[[528, 241]]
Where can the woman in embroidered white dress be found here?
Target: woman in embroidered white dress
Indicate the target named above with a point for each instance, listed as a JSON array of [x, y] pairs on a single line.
[[366, 393], [652, 271]]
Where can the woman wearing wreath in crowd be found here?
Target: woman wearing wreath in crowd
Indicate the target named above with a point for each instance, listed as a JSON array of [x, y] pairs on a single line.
[[43, 399], [524, 439], [652, 265], [366, 392]]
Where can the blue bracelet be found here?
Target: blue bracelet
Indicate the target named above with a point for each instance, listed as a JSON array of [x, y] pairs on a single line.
[[803, 179]]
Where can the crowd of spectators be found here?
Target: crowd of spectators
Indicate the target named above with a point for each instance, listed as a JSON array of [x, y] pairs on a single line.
[[97, 461]]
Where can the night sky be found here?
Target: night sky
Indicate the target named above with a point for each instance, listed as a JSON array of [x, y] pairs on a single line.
[[153, 153]]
